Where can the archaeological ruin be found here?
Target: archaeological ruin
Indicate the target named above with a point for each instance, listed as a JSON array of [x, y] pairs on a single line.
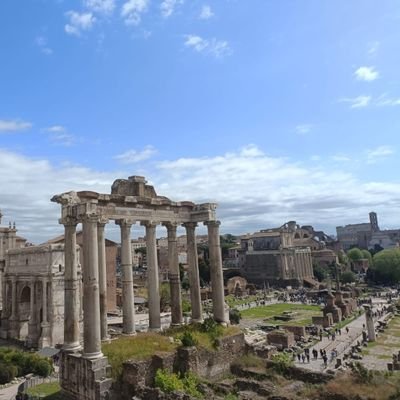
[[84, 370]]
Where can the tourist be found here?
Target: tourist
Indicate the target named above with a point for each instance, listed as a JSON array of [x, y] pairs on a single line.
[[303, 357], [308, 357], [325, 358], [347, 329], [320, 336], [298, 357]]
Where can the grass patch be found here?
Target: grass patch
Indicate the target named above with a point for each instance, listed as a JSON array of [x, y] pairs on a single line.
[[250, 361], [203, 339], [302, 316], [48, 391], [382, 386], [139, 347]]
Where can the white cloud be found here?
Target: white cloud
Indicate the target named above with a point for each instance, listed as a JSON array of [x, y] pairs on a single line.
[[303, 129], [105, 7], [206, 12], [59, 135], [41, 42], [378, 154], [168, 7], [357, 102], [132, 11], [340, 158], [217, 48], [79, 22], [384, 101], [133, 156], [15, 125], [373, 47], [366, 74], [247, 185]]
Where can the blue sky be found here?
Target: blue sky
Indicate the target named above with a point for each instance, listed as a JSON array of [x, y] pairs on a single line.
[[276, 110]]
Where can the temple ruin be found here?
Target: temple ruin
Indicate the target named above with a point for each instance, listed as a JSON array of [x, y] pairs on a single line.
[[83, 370]]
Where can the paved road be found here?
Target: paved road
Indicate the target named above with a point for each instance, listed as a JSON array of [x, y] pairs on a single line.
[[10, 392], [341, 343]]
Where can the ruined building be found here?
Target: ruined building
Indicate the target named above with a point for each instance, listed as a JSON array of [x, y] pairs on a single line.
[[272, 256]]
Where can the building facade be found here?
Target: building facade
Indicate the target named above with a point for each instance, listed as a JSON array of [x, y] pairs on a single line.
[[358, 235], [272, 256], [33, 295]]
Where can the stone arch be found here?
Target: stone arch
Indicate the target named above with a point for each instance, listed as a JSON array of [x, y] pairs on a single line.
[[25, 295], [297, 236]]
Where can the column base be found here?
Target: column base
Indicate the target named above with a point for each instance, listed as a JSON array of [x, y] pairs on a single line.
[[154, 329], [197, 320], [92, 356], [72, 347], [129, 334], [44, 340], [83, 379]]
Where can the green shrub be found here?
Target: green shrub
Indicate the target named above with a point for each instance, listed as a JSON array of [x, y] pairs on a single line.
[[362, 374], [7, 373], [188, 340], [190, 384], [168, 382], [213, 330], [281, 362], [234, 316], [186, 306], [42, 368]]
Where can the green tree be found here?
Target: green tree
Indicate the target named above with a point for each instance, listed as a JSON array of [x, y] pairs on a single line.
[[165, 296], [181, 272], [386, 266], [320, 272], [348, 277], [366, 254], [355, 254], [204, 271], [343, 259]]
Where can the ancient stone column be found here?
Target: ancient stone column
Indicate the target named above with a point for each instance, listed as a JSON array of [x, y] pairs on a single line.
[[194, 278], [217, 279], [173, 275], [370, 324], [128, 299], [102, 280], [14, 304], [44, 340], [71, 290], [152, 277], [91, 300], [32, 316]]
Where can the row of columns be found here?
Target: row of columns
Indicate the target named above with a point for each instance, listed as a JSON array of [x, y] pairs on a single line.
[[95, 283]]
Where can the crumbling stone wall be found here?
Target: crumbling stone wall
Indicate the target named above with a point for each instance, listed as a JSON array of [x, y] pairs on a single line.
[[205, 363]]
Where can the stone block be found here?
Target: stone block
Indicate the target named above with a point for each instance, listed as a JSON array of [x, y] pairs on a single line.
[[281, 339]]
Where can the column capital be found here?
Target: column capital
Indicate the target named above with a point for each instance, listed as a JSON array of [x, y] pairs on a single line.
[[190, 225], [91, 218], [212, 223], [68, 221], [125, 222], [102, 221], [149, 224], [170, 225]]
